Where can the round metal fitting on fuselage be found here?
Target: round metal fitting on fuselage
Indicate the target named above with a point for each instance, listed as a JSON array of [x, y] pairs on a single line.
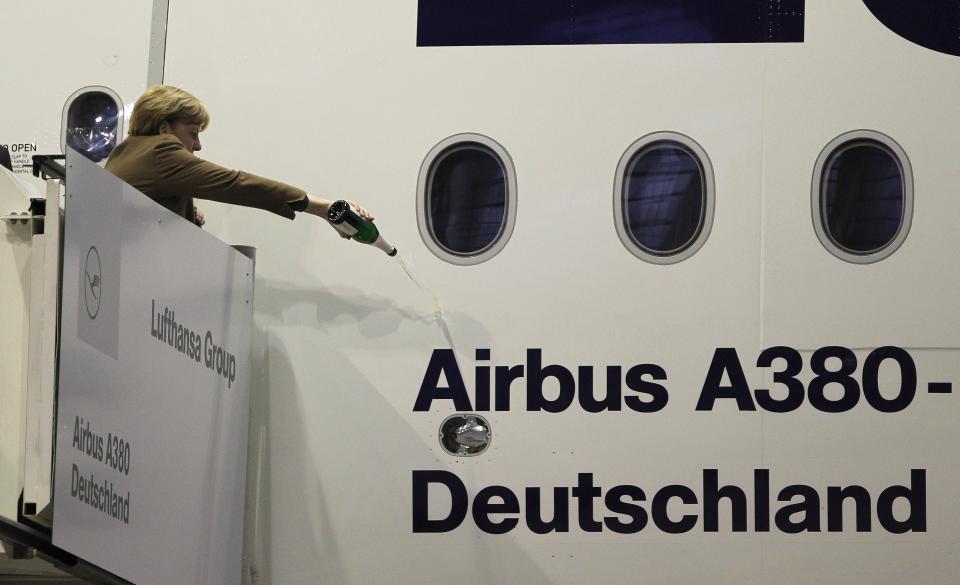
[[465, 435]]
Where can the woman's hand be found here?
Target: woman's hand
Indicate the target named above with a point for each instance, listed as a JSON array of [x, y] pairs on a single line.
[[198, 217], [320, 208], [360, 210]]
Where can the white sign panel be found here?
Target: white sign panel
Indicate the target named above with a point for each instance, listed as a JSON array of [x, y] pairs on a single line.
[[152, 411]]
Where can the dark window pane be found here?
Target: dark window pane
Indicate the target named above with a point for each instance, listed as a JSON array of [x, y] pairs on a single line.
[[664, 198], [467, 199], [862, 190], [92, 125]]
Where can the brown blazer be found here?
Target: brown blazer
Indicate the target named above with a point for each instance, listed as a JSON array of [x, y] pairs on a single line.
[[161, 168]]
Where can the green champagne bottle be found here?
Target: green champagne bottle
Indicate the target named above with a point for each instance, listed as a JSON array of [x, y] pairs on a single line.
[[349, 222]]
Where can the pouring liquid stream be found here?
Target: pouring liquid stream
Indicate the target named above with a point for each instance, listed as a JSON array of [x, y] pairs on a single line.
[[437, 307]]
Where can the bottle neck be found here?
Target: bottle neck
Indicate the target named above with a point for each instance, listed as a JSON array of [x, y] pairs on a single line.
[[385, 246]]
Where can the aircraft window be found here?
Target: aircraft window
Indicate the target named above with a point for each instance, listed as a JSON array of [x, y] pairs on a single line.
[[466, 199], [862, 197], [92, 120], [664, 198]]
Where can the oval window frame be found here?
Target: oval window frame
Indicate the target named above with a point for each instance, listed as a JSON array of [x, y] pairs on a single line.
[[425, 179], [121, 114], [709, 195], [836, 146]]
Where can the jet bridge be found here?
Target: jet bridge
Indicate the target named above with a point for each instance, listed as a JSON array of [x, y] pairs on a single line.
[[123, 446]]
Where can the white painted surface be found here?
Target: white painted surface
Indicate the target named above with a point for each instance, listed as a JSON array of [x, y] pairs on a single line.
[[340, 101], [43, 350], [336, 98], [59, 47], [855, 74], [15, 255]]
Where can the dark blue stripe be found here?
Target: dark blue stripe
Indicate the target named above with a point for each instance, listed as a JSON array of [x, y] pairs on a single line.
[[934, 24], [444, 23]]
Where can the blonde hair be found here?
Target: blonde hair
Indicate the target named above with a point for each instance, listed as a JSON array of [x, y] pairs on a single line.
[[165, 103]]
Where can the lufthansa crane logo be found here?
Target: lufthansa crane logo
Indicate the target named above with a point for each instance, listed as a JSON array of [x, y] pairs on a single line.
[[92, 287]]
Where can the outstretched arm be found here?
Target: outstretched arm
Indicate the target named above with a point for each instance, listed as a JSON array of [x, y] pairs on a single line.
[[182, 171]]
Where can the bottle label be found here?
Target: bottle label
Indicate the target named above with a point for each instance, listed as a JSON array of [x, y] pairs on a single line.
[[346, 228]]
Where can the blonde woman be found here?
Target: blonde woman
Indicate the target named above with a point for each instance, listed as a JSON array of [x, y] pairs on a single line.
[[157, 159]]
